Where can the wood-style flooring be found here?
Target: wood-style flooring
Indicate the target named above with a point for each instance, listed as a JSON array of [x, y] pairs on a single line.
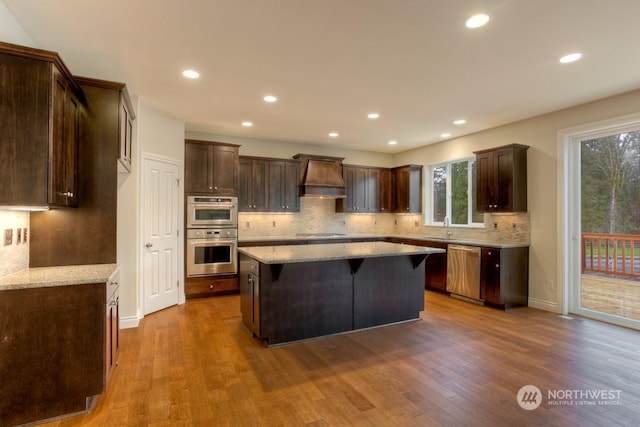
[[459, 365]]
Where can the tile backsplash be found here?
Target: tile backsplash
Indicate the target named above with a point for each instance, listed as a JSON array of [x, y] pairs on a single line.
[[318, 216], [13, 257]]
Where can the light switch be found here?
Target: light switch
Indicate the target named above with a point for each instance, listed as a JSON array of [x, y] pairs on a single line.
[[8, 236], [18, 236], [24, 235]]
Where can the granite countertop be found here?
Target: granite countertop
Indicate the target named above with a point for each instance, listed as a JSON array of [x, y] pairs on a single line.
[[332, 251], [44, 277], [336, 236]]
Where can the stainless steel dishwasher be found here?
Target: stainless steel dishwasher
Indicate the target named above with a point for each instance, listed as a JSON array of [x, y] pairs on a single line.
[[463, 272]]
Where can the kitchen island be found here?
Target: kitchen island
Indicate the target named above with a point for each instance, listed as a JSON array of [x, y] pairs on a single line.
[[290, 293]]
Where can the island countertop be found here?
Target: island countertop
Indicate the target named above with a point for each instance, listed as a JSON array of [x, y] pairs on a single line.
[[44, 277], [332, 251]]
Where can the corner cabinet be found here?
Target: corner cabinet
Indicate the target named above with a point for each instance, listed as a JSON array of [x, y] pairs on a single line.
[[408, 189], [284, 176], [362, 190], [211, 168], [39, 129], [253, 193], [501, 179]]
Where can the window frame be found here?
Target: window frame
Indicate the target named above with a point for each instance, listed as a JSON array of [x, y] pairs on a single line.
[[429, 196]]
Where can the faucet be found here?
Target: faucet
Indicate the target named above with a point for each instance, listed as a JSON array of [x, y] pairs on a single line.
[[447, 224]]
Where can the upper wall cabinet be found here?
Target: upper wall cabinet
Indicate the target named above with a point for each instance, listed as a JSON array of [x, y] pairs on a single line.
[[253, 194], [284, 177], [501, 179], [362, 189], [386, 190], [211, 168], [40, 113], [126, 116], [408, 189]]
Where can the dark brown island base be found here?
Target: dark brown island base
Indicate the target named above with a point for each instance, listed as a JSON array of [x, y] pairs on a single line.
[[291, 293]]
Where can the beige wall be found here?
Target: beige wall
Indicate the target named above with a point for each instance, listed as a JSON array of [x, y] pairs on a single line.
[[285, 150], [158, 134], [540, 133]]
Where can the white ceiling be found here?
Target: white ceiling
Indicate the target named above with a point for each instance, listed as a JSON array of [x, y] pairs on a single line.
[[330, 62]]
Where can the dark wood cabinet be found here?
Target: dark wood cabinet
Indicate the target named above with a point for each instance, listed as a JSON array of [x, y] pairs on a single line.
[[125, 125], [39, 129], [211, 168], [250, 294], [435, 277], [253, 192], [284, 176], [362, 189], [96, 214], [504, 276], [52, 351], [112, 326], [386, 190], [501, 179], [206, 286], [408, 189]]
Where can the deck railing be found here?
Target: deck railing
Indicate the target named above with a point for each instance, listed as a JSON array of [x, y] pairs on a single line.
[[614, 254]]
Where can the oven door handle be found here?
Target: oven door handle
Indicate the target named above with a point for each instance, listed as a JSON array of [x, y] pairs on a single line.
[[218, 242]]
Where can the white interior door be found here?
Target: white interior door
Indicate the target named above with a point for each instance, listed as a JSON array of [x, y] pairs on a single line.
[[160, 217]]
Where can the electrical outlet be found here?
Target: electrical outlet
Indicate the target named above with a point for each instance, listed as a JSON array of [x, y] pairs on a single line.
[[273, 224], [8, 236], [495, 225], [24, 235]]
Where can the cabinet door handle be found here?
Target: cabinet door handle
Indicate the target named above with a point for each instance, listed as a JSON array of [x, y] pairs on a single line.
[[210, 188], [497, 265]]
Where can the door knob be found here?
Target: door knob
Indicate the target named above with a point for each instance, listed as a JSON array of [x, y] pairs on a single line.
[[148, 245]]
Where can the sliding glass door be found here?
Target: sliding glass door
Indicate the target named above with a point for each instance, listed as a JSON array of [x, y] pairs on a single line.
[[605, 220]]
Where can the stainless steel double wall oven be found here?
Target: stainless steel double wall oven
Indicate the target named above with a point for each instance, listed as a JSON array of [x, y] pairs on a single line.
[[212, 235]]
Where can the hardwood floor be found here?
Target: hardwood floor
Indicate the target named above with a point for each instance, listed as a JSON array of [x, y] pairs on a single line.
[[461, 364]]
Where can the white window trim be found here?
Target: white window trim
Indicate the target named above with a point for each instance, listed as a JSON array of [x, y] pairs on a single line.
[[428, 197]]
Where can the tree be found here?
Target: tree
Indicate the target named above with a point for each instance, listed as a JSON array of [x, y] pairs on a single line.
[[610, 169]]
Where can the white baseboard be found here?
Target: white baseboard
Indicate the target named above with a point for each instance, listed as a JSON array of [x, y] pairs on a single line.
[[129, 322], [544, 305]]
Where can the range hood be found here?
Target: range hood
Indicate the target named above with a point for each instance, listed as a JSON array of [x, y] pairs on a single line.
[[321, 176]]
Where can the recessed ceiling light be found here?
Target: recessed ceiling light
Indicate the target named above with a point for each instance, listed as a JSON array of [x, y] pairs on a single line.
[[460, 122], [570, 58], [392, 142], [333, 134], [247, 124], [191, 74], [270, 98], [445, 135], [373, 115], [477, 21]]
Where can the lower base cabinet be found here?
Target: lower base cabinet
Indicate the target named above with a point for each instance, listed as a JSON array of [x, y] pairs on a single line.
[[52, 351], [504, 277]]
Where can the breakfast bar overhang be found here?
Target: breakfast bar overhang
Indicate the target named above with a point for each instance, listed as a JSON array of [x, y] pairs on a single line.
[[291, 293]]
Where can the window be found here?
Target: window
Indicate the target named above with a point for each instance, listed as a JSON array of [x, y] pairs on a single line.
[[453, 194]]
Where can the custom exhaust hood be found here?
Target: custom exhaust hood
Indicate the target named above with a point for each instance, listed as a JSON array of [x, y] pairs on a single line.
[[321, 176]]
